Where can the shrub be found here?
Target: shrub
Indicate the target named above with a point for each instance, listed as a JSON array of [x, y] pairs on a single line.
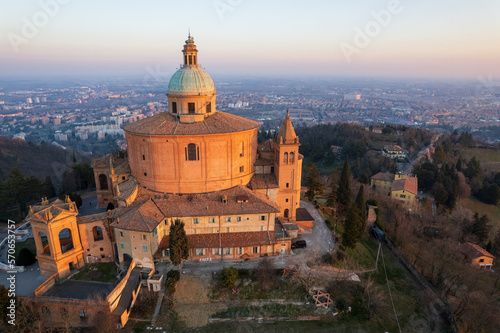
[[229, 275], [171, 281], [25, 258]]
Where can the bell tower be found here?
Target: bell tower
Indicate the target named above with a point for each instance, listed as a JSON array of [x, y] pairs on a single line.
[[57, 238], [288, 169]]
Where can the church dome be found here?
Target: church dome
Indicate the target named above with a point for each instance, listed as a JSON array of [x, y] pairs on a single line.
[[191, 79]]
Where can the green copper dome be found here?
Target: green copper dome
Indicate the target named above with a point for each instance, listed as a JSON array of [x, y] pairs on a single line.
[[191, 79]]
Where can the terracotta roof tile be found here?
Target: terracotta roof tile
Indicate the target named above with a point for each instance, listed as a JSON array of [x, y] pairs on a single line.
[[264, 180], [389, 177], [166, 124], [144, 216], [473, 251], [410, 185]]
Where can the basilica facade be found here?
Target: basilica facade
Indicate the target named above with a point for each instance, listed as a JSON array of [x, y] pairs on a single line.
[[237, 198]]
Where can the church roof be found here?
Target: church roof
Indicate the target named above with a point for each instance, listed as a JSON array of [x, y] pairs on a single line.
[[166, 124], [191, 79], [262, 181], [287, 133], [47, 212], [144, 216]]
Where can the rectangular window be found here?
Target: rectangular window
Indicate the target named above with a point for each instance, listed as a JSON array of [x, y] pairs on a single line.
[[211, 220], [143, 157], [144, 237], [209, 107], [239, 250], [242, 168], [122, 245], [216, 252], [262, 218], [255, 249], [214, 230], [145, 174], [242, 149], [287, 185], [227, 251], [261, 228], [228, 229], [195, 231], [228, 219], [144, 249], [101, 249], [174, 107], [481, 260], [238, 218], [196, 221], [121, 234], [286, 200], [191, 108], [200, 252], [269, 249], [83, 314], [155, 232]]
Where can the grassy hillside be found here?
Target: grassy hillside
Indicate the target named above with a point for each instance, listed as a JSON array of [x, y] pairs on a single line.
[[493, 212]]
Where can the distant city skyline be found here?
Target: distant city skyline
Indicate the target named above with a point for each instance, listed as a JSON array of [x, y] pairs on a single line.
[[426, 39]]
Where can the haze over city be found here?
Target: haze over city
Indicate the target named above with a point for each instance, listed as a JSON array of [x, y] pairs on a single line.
[[445, 39]]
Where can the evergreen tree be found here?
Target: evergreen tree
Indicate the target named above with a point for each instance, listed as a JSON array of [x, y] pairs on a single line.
[[344, 190], [313, 184], [178, 244], [363, 212], [352, 225], [481, 227], [48, 188], [334, 185], [15, 189]]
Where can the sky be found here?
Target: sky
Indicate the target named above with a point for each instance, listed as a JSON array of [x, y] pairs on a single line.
[[313, 38]]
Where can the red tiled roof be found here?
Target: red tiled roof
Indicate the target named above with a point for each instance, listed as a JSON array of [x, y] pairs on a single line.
[[166, 124], [410, 185], [263, 161], [473, 251], [383, 176], [264, 180], [232, 239], [210, 204], [144, 216], [265, 146]]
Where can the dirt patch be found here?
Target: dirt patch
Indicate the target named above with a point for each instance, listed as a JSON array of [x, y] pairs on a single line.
[[190, 300]]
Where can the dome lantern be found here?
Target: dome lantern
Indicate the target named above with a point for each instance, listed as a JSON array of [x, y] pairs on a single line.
[[191, 91]]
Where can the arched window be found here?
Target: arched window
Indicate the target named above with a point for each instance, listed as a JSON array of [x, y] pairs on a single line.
[[292, 157], [97, 232], [286, 158], [45, 242], [103, 182], [192, 152], [65, 240], [286, 213]]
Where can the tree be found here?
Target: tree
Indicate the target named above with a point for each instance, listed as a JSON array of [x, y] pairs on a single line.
[[481, 227], [228, 276], [178, 244], [361, 203], [334, 185], [48, 188], [352, 225], [313, 184], [344, 190]]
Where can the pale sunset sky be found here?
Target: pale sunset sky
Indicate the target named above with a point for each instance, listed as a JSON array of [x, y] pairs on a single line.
[[337, 38]]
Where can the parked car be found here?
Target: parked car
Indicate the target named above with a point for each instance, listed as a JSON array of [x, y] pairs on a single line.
[[299, 244]]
